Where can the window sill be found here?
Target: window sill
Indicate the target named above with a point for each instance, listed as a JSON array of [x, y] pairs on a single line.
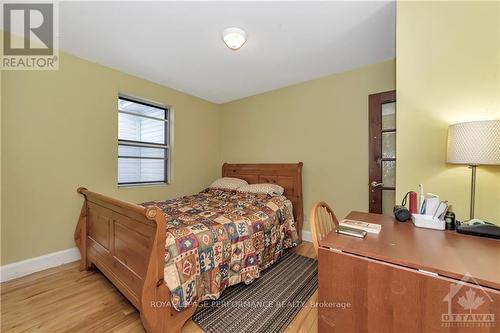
[[142, 185]]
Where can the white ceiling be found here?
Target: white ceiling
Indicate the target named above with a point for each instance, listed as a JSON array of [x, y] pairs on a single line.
[[178, 44]]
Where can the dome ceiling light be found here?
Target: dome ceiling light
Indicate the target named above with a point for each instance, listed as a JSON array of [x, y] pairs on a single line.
[[234, 38]]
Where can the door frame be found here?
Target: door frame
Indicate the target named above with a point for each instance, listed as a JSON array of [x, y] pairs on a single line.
[[375, 102]]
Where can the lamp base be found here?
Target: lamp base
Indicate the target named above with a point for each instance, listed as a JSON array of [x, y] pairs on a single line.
[[472, 190]]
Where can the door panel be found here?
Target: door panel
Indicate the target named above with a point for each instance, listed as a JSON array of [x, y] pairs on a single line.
[[382, 152], [388, 199]]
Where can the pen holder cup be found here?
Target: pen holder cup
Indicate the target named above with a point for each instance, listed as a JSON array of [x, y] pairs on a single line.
[[427, 221]]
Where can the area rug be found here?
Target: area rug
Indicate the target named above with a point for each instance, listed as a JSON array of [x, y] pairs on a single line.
[[268, 304]]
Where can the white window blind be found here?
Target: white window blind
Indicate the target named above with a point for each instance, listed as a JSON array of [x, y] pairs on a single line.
[[143, 142]]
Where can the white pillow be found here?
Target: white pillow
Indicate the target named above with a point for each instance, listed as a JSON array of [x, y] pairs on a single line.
[[272, 189], [228, 183]]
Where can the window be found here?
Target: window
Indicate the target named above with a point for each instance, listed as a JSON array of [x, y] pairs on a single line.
[[143, 142]]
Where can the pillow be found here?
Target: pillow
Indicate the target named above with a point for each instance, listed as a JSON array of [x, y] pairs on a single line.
[[228, 183], [267, 188]]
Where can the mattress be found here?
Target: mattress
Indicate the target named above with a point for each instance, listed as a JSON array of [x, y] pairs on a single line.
[[218, 238]]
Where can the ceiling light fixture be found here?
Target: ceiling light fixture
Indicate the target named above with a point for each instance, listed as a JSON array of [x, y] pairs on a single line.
[[234, 38]]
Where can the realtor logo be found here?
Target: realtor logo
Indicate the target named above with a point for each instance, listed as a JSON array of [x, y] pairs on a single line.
[[468, 306], [29, 31]]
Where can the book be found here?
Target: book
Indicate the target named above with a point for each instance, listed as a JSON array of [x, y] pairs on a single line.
[[371, 228], [351, 231]]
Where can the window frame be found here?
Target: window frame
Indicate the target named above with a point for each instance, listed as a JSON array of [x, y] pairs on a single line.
[[167, 146]]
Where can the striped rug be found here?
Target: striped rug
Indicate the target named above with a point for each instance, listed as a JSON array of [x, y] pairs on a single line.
[[269, 304]]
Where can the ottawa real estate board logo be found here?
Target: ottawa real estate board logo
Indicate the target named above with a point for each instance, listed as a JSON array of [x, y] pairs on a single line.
[[468, 305], [30, 36]]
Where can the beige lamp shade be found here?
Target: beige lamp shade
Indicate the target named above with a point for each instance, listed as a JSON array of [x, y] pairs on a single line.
[[474, 143]]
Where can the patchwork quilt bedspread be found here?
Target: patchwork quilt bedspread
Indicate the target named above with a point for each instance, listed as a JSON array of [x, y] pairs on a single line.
[[219, 238]]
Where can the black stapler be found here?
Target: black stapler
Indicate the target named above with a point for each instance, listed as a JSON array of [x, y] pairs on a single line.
[[480, 228]]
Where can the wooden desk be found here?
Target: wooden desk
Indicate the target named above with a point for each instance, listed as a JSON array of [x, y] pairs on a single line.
[[399, 280]]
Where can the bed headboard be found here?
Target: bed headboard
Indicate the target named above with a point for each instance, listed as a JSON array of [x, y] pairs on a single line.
[[287, 175]]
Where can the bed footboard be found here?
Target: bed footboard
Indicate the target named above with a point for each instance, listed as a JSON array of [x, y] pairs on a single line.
[[126, 242]]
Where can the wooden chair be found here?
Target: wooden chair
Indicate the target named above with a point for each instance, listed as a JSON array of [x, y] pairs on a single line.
[[323, 220]]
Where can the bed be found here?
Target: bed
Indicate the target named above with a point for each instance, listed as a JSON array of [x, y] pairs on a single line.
[[127, 243]]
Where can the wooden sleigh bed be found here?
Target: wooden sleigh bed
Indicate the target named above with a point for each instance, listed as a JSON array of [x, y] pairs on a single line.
[[126, 242]]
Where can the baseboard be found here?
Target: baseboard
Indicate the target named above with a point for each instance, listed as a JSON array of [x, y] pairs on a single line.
[[37, 264], [32, 265], [306, 235]]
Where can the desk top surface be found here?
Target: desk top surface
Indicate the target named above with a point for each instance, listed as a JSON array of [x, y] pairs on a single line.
[[447, 253]]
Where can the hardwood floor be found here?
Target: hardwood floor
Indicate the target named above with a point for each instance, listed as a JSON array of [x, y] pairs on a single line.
[[63, 299]]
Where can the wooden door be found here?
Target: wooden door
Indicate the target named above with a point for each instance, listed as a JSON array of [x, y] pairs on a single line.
[[382, 152]]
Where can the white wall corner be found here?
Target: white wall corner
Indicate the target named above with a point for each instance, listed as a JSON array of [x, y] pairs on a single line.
[[33, 265], [306, 235]]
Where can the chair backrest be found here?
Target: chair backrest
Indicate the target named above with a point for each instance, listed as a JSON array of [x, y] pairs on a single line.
[[323, 220]]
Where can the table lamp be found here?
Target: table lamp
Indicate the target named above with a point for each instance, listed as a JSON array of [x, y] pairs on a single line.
[[474, 143]]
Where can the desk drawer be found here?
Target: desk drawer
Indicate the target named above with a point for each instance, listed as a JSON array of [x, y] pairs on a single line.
[[389, 298]]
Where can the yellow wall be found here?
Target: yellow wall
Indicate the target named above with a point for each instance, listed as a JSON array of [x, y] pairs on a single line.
[[323, 123], [1, 165], [58, 128], [448, 71], [59, 132]]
